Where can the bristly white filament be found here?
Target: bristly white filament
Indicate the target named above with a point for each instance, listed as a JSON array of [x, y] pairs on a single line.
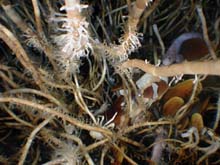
[[74, 42]]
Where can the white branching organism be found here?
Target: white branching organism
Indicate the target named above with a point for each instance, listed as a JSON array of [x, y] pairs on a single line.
[[33, 41], [128, 43], [74, 42], [109, 124], [68, 154]]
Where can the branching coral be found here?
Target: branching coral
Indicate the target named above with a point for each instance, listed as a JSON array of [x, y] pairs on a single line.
[[129, 42]]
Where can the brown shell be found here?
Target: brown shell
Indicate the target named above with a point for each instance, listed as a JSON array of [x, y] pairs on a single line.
[[197, 121], [172, 105], [183, 89]]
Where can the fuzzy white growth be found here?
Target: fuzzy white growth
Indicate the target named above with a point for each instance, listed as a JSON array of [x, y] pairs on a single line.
[[129, 43], [75, 42], [77, 6], [109, 124], [32, 40], [68, 154]]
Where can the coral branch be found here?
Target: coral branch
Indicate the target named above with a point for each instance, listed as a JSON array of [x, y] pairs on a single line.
[[37, 16], [139, 7], [148, 12], [31, 138], [54, 112], [136, 12], [196, 67], [129, 42]]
